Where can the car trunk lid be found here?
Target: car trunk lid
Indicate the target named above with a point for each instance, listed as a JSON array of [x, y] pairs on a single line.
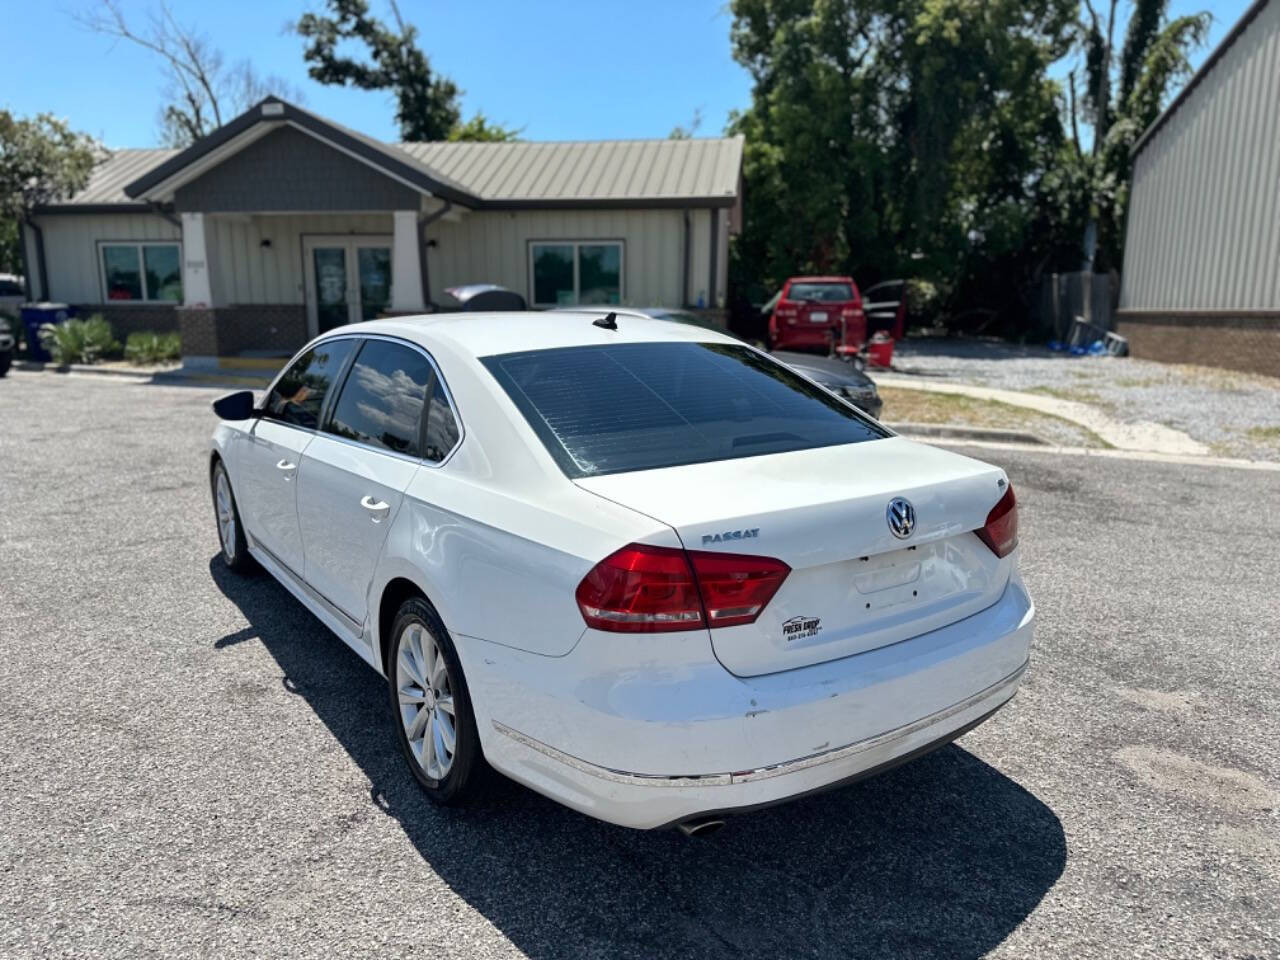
[[854, 585]]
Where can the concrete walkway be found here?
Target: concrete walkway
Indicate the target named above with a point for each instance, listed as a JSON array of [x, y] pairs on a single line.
[[1143, 436]]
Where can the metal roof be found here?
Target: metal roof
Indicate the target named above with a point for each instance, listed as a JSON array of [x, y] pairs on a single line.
[[270, 114], [590, 171], [594, 173], [107, 182], [1210, 62]]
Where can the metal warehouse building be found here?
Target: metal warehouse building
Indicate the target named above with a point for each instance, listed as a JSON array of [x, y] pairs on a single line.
[[1200, 282]]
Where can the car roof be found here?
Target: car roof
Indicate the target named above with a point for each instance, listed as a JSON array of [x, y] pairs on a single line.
[[483, 334], [820, 279]]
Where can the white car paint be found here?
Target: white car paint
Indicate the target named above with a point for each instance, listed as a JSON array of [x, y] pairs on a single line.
[[919, 638]]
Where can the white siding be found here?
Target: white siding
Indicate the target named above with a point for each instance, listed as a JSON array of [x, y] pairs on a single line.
[[71, 249], [493, 247], [700, 262], [244, 271], [490, 247], [1204, 218]]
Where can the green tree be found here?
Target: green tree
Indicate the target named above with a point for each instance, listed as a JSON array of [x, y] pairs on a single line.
[[479, 128], [1122, 92], [900, 137], [10, 250], [427, 105], [42, 160]]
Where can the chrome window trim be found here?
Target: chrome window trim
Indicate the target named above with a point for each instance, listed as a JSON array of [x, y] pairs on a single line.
[[326, 410]]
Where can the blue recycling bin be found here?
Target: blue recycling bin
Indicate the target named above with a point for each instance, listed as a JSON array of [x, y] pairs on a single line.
[[35, 316]]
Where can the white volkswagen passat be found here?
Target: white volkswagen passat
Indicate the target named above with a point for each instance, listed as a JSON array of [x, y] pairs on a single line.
[[636, 565]]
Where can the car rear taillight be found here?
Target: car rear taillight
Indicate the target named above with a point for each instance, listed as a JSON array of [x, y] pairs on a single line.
[[734, 587], [786, 310], [1000, 532], [644, 589], [850, 313]]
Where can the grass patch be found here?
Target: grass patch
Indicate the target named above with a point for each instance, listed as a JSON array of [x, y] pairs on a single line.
[[1263, 434], [921, 406]]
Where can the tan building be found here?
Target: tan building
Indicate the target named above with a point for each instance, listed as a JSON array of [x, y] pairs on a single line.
[[281, 224], [1201, 281]]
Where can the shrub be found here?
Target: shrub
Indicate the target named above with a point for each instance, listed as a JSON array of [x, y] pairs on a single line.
[[147, 348], [79, 341]]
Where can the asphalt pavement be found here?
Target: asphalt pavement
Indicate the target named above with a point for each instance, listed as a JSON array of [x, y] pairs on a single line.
[[192, 766]]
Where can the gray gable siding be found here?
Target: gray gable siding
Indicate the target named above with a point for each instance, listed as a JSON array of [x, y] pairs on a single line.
[[290, 171]]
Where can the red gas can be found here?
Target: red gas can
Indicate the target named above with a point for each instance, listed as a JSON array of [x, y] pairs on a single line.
[[880, 350]]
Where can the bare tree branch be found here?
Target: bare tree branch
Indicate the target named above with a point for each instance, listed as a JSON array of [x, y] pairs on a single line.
[[202, 90]]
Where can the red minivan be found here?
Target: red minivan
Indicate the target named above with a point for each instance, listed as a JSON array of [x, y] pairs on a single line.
[[817, 314]]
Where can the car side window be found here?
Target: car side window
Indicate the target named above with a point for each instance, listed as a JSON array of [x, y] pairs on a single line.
[[383, 397], [442, 426], [299, 395]]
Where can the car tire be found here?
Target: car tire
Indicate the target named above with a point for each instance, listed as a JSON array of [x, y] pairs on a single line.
[[231, 538], [422, 656], [6, 359]]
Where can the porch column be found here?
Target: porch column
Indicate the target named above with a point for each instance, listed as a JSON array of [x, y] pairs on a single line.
[[196, 289], [406, 265]]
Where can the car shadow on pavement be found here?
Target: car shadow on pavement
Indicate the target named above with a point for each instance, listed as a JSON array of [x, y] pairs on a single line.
[[942, 857]]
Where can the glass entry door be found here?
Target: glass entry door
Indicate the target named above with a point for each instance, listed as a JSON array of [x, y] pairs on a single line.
[[348, 280]]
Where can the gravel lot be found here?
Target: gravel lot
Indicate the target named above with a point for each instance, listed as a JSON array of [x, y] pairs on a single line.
[[193, 766], [1237, 414]]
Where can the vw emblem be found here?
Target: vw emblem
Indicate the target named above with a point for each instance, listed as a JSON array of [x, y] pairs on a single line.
[[901, 516]]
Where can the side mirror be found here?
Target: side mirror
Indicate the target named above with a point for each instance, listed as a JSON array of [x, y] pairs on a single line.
[[235, 406]]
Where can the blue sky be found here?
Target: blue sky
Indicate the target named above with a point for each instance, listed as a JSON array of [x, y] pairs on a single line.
[[563, 70]]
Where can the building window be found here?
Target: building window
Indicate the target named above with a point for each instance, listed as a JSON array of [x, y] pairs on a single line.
[[570, 272], [142, 272]]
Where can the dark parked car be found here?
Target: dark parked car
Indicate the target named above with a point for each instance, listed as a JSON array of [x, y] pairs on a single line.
[[838, 376], [482, 297], [6, 346]]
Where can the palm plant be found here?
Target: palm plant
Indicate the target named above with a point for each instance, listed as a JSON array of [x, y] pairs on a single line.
[[1121, 94], [79, 341]]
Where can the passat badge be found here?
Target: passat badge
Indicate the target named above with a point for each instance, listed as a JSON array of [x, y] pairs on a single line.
[[901, 516], [730, 535]]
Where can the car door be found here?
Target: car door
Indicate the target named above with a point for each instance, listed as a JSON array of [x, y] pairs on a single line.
[[270, 454], [355, 471]]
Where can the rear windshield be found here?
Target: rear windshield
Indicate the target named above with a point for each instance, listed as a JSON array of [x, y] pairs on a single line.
[[639, 406], [821, 292]]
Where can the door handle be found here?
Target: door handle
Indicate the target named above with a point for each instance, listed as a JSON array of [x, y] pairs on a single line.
[[287, 468], [378, 509]]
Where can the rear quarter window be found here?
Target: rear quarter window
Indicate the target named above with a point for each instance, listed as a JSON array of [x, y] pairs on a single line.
[[641, 406]]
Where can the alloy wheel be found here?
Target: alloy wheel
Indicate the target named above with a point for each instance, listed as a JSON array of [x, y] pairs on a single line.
[[426, 700], [226, 514]]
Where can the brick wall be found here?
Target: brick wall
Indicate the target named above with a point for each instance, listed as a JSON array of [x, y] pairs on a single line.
[[243, 328], [1249, 342], [261, 328], [131, 318], [197, 328]]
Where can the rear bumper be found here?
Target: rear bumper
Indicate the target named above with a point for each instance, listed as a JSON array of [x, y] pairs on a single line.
[[787, 336], [677, 737]]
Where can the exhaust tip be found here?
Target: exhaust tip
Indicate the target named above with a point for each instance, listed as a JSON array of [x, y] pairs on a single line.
[[700, 826]]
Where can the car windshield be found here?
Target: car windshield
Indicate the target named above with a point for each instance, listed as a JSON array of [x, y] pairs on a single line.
[[821, 292], [641, 406]]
